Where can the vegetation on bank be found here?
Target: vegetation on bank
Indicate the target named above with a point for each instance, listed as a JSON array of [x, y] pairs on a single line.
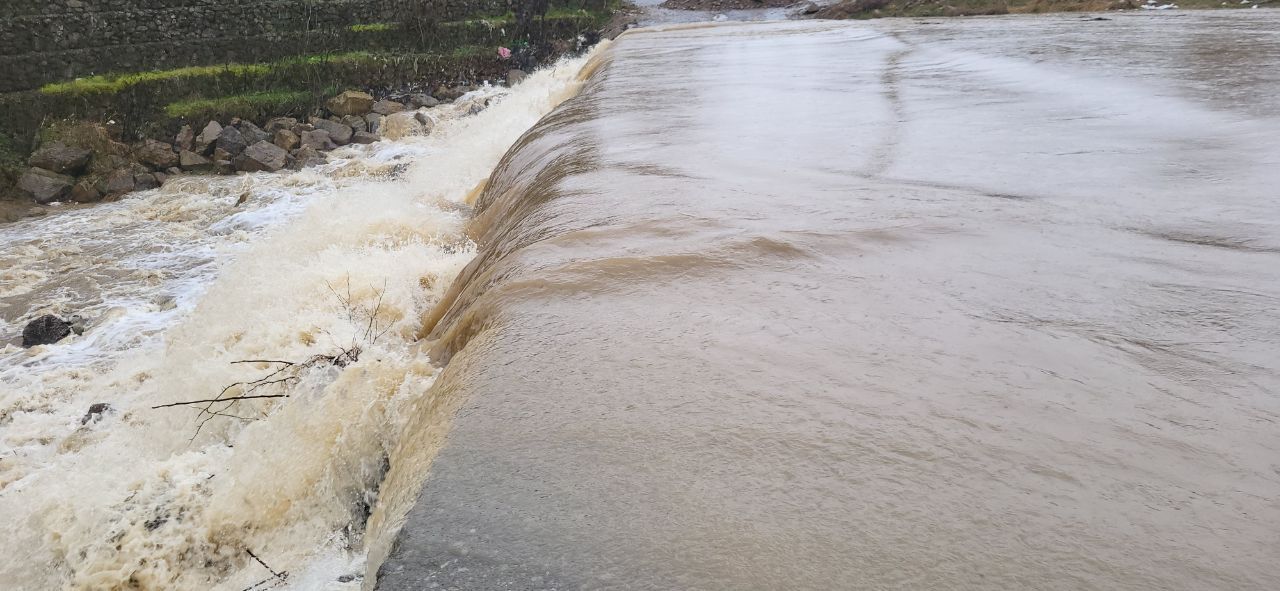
[[252, 106], [383, 57]]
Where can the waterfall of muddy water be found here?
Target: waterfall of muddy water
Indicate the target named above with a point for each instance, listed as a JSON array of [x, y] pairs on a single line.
[[179, 283], [987, 304]]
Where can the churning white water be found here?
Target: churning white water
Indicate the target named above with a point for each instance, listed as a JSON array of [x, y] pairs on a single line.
[[179, 284]]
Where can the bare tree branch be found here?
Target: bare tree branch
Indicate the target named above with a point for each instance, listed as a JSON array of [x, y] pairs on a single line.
[[173, 404]]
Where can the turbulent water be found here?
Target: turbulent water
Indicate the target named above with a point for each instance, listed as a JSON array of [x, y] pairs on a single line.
[[985, 304], [179, 284]]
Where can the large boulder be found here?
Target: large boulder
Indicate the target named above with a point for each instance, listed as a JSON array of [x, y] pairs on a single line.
[[45, 330], [279, 123], [186, 138], [351, 102], [387, 107], [364, 137], [317, 140], [61, 158], [144, 181], [306, 156], [339, 133], [45, 186], [515, 77], [401, 125], [252, 133], [231, 141], [156, 154], [286, 139], [421, 100], [262, 156], [355, 123], [207, 138], [192, 161], [117, 183], [85, 192]]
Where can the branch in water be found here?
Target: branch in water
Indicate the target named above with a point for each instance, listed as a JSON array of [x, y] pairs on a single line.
[[172, 404]]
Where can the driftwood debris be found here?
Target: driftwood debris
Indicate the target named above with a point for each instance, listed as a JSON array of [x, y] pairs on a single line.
[[368, 328]]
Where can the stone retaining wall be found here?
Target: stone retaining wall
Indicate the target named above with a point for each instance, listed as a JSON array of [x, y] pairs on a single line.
[[44, 41]]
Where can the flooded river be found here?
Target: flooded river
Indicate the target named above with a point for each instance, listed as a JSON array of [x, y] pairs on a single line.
[[986, 303]]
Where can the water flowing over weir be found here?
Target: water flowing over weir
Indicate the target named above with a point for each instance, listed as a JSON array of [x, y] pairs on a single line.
[[181, 283], [890, 305]]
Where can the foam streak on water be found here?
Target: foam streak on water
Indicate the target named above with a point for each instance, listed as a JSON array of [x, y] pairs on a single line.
[[180, 282]]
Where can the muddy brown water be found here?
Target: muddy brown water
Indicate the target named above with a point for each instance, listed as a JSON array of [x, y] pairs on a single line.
[[986, 304]]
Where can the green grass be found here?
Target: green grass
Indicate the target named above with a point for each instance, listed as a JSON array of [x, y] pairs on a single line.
[[120, 82], [468, 51], [242, 105], [117, 83], [372, 27]]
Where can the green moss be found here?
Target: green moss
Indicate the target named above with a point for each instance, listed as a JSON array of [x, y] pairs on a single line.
[[248, 106]]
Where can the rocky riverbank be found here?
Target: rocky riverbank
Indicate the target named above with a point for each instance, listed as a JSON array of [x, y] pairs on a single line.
[[87, 162]]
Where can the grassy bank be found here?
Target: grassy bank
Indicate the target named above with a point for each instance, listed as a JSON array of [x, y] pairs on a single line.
[[375, 56]]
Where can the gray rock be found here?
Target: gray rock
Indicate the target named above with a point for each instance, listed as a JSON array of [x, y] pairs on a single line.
[[373, 122], [387, 107], [355, 123], [364, 137], [45, 330], [421, 100], [307, 156], [220, 154], [262, 156], [317, 140], [224, 167], [61, 158], [96, 410], [173, 171], [451, 94], [117, 183], [85, 192], [351, 102], [144, 181], [207, 138], [279, 123], [515, 77], [252, 133], [192, 161], [44, 186], [339, 133], [286, 139], [405, 124], [161, 178], [156, 154], [232, 141], [186, 138]]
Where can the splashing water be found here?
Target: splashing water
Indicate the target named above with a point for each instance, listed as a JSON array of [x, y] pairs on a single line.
[[180, 283]]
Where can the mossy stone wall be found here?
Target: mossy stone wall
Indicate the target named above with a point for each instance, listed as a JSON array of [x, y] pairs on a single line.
[[43, 41]]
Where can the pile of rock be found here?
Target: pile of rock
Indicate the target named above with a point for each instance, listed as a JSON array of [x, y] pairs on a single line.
[[60, 171]]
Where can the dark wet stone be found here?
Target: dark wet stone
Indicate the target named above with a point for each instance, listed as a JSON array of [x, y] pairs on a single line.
[[45, 330]]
